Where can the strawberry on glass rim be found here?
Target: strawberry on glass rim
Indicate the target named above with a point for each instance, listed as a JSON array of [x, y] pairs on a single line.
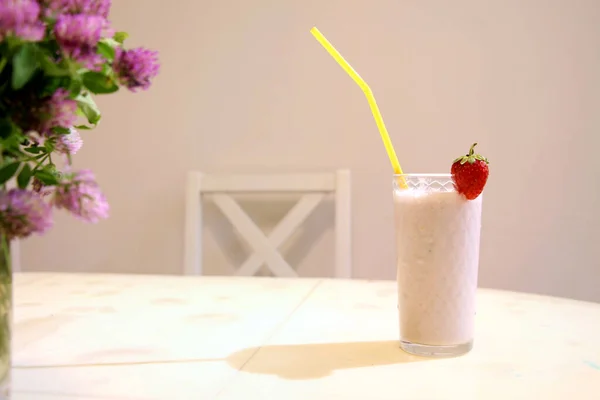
[[470, 174]]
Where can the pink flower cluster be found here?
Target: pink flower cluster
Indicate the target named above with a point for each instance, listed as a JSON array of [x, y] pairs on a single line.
[[79, 27], [25, 212], [78, 36], [77, 33], [88, 7], [21, 18], [82, 197], [135, 68], [69, 143]]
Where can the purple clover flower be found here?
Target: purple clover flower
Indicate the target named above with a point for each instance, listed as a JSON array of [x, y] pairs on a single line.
[[82, 197], [88, 7], [23, 212], [40, 115], [78, 37], [58, 111], [91, 7], [70, 143], [21, 18], [136, 67]]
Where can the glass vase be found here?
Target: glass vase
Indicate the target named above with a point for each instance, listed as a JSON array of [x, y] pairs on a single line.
[[5, 318]]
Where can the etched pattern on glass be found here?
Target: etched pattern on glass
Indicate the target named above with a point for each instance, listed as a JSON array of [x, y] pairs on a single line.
[[425, 183]]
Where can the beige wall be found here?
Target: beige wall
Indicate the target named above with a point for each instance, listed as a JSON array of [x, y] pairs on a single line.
[[244, 86]]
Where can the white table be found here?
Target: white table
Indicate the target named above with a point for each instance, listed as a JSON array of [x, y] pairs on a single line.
[[109, 337]]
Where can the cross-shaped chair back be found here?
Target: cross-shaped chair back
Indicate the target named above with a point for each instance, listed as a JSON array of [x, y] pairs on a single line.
[[314, 187]]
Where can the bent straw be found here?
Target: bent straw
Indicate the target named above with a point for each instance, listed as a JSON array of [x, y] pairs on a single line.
[[387, 142]]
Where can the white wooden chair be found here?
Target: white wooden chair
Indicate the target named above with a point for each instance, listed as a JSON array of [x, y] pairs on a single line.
[[314, 188]]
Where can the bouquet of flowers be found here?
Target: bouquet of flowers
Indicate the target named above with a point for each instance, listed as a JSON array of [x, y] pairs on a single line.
[[55, 55]]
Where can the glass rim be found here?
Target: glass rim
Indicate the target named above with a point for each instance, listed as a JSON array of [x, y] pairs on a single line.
[[446, 175]]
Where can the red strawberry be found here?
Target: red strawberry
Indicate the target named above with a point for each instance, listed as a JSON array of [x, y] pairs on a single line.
[[470, 174]]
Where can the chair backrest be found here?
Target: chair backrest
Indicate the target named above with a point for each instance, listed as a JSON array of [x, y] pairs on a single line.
[[313, 186]]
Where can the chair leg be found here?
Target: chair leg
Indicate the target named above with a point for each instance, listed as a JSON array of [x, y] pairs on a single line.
[[343, 225], [193, 225]]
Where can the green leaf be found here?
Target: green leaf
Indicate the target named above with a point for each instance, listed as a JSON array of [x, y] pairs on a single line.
[[75, 86], [3, 62], [83, 127], [99, 83], [46, 177], [52, 84], [6, 128], [7, 171], [111, 42], [35, 149], [120, 37], [12, 142], [51, 67], [106, 69], [25, 63], [88, 108], [106, 50], [60, 130], [24, 176], [49, 145]]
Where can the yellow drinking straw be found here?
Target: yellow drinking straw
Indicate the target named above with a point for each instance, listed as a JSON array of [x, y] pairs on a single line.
[[370, 98]]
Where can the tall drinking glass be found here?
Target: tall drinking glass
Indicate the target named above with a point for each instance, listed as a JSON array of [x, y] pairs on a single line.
[[437, 236]]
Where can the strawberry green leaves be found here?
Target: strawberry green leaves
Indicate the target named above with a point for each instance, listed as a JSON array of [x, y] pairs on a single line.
[[471, 157]]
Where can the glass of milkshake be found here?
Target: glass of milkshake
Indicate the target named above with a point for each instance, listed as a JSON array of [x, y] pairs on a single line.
[[437, 241], [438, 222]]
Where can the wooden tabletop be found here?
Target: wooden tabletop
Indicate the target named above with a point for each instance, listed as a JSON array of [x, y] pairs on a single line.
[[125, 337]]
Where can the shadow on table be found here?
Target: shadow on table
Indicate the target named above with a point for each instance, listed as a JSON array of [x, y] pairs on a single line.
[[312, 361]]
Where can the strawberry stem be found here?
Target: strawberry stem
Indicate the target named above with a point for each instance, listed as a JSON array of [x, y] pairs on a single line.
[[471, 150]]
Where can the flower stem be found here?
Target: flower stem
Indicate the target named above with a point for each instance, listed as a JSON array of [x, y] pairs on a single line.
[[41, 162]]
